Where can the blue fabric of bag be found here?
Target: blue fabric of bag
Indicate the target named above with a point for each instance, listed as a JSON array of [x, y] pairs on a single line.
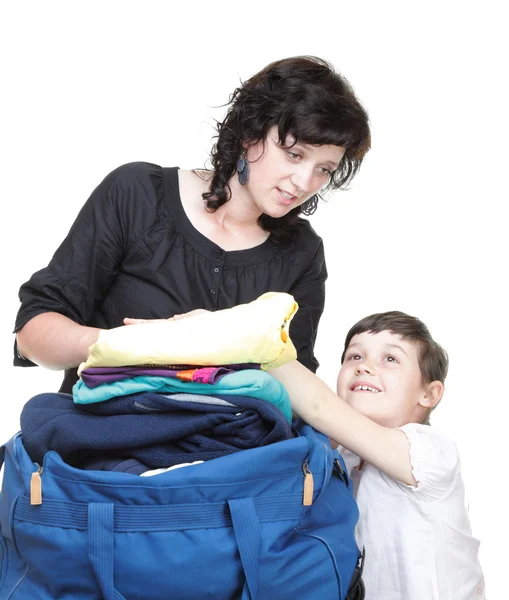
[[233, 527]]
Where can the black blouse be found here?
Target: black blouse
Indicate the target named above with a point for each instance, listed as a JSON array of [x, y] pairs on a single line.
[[132, 252]]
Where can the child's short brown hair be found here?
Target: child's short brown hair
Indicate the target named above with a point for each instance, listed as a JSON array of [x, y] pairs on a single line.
[[433, 359]]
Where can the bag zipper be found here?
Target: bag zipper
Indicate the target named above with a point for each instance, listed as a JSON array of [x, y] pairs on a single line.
[[36, 486], [341, 472], [307, 496]]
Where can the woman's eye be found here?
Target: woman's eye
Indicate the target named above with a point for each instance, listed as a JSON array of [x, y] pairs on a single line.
[[293, 155], [325, 172]]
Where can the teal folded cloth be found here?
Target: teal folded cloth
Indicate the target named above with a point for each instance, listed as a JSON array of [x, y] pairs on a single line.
[[248, 382]]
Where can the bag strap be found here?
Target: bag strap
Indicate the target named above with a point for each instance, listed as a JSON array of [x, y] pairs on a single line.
[[102, 520], [169, 517], [249, 540], [101, 547]]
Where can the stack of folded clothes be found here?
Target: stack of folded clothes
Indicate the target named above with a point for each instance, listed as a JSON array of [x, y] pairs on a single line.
[[159, 395]]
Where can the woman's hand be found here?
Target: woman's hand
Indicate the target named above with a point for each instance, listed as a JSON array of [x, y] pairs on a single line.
[[192, 313]]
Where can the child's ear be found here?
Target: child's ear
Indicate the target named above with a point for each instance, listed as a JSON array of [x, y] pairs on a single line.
[[433, 395]]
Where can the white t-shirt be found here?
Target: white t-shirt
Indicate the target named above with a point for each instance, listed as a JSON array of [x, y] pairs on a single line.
[[418, 541]]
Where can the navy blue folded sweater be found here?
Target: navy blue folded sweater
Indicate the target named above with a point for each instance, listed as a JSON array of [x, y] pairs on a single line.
[[148, 430]]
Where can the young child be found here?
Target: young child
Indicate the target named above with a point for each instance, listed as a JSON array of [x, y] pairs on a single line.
[[413, 519]]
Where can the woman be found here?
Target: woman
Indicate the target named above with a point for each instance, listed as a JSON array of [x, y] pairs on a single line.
[[152, 242]]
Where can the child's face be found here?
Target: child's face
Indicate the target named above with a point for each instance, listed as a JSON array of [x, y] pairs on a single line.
[[380, 378]]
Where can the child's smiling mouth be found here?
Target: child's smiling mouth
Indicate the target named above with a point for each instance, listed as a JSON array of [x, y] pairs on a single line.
[[359, 386]]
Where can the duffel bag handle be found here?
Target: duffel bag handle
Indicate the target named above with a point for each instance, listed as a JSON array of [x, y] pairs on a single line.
[[101, 547], [249, 541]]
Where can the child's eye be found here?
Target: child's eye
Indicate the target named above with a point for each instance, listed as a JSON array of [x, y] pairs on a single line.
[[354, 357], [391, 359]]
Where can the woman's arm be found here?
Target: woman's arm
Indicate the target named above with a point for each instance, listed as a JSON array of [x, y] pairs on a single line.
[[385, 448], [54, 341], [59, 302]]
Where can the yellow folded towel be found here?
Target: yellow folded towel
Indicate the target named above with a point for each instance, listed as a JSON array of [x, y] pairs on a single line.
[[256, 332]]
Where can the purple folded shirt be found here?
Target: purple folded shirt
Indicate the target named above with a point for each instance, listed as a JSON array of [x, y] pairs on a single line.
[[95, 376]]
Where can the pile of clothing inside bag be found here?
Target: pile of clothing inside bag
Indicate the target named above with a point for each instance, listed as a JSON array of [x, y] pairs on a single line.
[[159, 396]]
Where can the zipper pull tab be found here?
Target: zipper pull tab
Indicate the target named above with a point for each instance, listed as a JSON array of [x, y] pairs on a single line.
[[341, 473], [36, 487], [307, 499]]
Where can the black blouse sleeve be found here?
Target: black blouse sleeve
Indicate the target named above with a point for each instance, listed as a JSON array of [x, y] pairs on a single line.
[[85, 264], [309, 292]]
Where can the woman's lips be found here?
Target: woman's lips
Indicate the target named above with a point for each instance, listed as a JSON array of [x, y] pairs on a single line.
[[286, 198]]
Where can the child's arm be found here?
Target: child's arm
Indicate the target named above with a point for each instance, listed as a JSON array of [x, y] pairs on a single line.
[[386, 448]]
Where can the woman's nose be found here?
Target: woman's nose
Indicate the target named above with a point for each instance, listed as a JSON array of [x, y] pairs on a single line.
[[302, 179]]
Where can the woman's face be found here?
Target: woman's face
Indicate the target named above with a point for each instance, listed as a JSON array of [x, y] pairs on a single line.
[[282, 177]]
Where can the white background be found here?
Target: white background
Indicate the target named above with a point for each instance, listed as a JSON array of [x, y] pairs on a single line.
[[87, 86]]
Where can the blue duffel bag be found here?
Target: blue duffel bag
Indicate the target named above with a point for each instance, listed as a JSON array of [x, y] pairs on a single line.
[[275, 522]]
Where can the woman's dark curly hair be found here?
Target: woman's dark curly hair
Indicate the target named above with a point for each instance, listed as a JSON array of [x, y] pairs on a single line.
[[304, 97]]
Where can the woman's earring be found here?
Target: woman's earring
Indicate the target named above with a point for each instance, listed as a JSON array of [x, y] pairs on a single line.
[[309, 207], [243, 169]]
